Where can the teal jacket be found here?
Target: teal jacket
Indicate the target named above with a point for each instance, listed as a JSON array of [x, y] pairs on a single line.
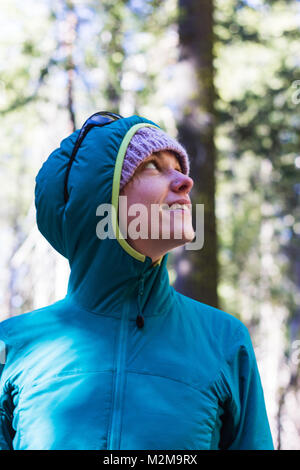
[[82, 374]]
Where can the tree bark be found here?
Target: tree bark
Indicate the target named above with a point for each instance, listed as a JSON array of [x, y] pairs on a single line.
[[196, 133], [71, 24]]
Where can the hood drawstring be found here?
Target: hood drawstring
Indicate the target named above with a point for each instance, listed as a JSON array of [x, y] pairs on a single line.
[[140, 318]]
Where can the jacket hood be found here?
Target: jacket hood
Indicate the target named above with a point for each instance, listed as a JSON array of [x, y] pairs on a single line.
[[105, 273]]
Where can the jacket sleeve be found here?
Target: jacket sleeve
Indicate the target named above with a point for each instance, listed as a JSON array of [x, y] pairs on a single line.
[[6, 430], [245, 421]]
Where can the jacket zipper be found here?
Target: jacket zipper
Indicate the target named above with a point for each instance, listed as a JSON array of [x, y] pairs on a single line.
[[140, 318], [118, 395], [115, 431]]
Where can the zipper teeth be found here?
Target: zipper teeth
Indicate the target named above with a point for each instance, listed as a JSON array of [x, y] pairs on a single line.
[[115, 432], [140, 293], [141, 287]]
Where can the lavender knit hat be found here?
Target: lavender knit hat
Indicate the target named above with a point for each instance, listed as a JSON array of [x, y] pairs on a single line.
[[146, 141]]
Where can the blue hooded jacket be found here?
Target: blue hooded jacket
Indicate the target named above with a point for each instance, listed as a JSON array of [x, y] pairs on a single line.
[[81, 374]]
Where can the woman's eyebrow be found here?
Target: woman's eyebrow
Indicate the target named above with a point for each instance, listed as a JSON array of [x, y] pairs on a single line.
[[177, 161], [157, 156]]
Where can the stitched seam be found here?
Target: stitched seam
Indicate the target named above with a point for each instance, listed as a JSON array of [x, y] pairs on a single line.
[[215, 425], [162, 310], [168, 378], [68, 374]]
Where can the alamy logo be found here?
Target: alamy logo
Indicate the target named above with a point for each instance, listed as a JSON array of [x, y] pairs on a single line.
[[2, 352], [160, 221], [296, 93]]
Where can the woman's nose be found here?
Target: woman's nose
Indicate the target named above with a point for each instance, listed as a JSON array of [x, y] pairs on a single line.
[[181, 182]]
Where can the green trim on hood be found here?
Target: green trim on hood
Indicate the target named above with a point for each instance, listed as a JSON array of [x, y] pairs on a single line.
[[116, 189]]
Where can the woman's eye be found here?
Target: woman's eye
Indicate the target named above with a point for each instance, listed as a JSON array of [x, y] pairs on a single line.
[[154, 166]]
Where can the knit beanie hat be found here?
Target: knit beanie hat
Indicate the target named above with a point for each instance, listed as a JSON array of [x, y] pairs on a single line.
[[146, 141]]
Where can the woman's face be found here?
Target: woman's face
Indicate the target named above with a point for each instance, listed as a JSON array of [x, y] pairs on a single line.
[[157, 184]]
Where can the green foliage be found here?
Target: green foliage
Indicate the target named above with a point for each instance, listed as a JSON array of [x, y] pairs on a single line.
[[257, 134]]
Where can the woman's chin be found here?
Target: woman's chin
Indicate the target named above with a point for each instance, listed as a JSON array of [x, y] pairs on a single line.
[[182, 231], [187, 237]]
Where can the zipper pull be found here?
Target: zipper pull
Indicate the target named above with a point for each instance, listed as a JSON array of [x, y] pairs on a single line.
[[140, 318]]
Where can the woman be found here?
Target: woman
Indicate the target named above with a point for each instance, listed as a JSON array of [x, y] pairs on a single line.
[[124, 361]]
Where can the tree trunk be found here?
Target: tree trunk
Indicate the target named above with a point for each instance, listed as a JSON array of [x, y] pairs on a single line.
[[71, 24], [197, 270]]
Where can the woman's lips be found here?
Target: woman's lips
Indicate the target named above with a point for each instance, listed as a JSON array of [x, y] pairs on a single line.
[[175, 208]]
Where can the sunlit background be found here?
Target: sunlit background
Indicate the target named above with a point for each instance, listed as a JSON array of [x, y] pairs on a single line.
[[63, 60]]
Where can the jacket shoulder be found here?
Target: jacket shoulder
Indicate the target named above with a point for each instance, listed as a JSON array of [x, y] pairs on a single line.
[[207, 313], [220, 329], [17, 329]]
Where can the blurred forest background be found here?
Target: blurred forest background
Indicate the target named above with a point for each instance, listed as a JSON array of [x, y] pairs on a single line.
[[224, 78]]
